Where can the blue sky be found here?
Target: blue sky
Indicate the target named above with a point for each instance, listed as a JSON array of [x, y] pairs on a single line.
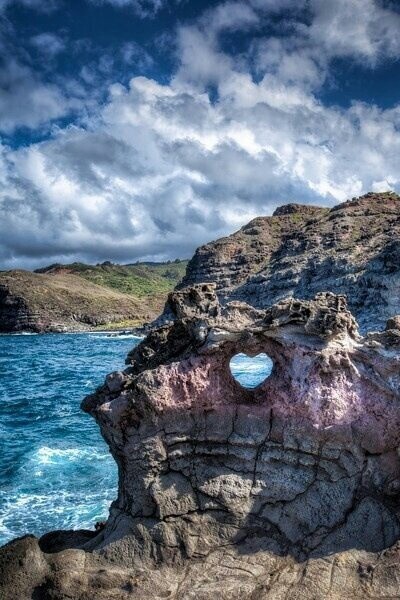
[[140, 129]]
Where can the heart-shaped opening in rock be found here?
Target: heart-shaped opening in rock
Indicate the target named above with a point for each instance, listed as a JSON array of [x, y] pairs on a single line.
[[251, 371]]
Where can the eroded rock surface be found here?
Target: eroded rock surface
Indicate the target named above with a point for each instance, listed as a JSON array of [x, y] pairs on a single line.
[[290, 489], [352, 249]]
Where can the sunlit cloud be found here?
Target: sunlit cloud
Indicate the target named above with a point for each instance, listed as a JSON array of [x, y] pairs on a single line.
[[161, 167]]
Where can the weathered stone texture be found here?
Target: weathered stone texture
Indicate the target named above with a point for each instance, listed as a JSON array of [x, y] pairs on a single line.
[[351, 249], [290, 489]]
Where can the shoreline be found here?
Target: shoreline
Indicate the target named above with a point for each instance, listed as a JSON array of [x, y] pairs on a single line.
[[110, 332]]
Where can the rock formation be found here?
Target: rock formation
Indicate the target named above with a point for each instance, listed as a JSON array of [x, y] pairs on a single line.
[[288, 490], [351, 249]]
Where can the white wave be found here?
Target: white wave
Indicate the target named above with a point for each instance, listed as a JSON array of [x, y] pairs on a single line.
[[19, 333], [47, 456], [241, 362], [60, 509], [51, 456]]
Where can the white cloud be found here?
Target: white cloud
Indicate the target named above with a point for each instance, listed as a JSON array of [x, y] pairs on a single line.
[[143, 8], [135, 56], [48, 43], [165, 170], [355, 28], [25, 100], [231, 15], [362, 31], [162, 168]]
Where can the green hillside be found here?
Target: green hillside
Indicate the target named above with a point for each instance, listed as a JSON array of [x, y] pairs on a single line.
[[78, 297], [139, 279]]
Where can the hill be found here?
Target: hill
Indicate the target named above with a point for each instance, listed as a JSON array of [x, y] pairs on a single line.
[[352, 249], [79, 297]]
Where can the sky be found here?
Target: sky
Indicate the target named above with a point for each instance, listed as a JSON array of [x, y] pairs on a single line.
[[141, 129]]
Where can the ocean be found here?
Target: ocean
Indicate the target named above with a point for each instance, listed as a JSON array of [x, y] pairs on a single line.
[[55, 469]]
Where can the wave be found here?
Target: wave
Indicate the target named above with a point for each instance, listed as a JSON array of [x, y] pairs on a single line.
[[57, 509], [55, 470], [53, 456], [19, 333]]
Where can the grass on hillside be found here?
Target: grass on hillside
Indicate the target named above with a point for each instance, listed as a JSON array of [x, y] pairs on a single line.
[[139, 280]]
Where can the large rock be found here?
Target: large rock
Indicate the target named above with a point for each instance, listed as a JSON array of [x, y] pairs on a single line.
[[290, 488], [351, 249]]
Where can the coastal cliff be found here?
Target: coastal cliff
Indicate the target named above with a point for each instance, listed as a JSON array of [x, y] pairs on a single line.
[[80, 297], [351, 249], [290, 488]]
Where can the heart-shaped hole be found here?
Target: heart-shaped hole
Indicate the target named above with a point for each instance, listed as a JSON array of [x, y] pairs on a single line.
[[251, 371]]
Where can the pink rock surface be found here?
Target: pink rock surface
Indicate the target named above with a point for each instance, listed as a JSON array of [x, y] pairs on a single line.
[[204, 461]]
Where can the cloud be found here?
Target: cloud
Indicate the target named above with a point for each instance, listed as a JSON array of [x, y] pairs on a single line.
[[45, 6], [134, 55], [35, 95], [159, 169], [355, 28], [165, 170], [27, 101], [48, 43], [143, 8], [228, 16], [362, 31]]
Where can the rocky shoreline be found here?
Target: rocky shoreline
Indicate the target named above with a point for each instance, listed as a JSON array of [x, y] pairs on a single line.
[[351, 249], [290, 488]]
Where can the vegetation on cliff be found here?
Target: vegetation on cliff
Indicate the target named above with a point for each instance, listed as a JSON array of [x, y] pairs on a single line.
[[80, 296], [141, 279]]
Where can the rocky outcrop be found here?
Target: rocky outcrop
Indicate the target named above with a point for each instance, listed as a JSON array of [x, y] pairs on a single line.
[[56, 303], [14, 312], [289, 489], [351, 249]]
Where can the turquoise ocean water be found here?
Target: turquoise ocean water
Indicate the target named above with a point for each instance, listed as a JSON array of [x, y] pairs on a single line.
[[55, 469]]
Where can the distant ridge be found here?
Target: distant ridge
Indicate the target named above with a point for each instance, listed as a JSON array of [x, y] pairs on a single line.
[[77, 296]]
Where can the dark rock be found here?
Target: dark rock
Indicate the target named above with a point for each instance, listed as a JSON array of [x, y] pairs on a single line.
[[352, 249], [393, 323]]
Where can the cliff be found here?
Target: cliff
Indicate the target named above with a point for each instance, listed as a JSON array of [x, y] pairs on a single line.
[[79, 297], [290, 489], [351, 249]]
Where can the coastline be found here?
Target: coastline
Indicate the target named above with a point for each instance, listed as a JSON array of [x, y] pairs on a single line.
[[138, 332]]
